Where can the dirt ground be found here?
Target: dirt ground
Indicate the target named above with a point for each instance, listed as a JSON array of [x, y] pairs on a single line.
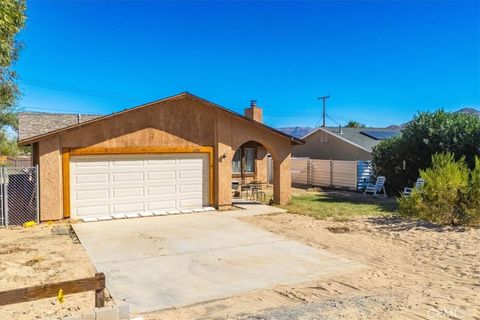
[[33, 256], [413, 271]]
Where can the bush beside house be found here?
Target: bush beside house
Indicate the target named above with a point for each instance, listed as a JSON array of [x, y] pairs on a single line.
[[451, 194]]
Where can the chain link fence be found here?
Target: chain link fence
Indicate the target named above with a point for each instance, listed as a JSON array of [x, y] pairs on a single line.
[[18, 195]]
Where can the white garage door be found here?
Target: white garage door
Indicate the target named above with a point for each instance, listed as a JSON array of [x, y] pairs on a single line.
[[110, 184]]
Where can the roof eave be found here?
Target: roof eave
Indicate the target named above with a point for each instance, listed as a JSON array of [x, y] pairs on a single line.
[[29, 141]]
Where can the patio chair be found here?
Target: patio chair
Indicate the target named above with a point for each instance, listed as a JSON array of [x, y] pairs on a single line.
[[257, 191], [377, 189], [408, 191]]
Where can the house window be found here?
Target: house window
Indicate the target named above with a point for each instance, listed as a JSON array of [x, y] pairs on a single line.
[[243, 161], [237, 162], [249, 160]]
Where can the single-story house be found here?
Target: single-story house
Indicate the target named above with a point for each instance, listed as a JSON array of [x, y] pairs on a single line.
[[174, 153], [337, 143]]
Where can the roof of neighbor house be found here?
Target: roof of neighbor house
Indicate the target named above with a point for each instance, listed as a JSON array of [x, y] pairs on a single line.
[[35, 125], [365, 138]]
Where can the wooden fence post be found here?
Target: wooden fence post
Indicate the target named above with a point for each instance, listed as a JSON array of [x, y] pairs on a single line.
[[100, 293]]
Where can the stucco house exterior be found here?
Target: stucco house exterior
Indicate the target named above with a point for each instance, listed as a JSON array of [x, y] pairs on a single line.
[[337, 143], [177, 152]]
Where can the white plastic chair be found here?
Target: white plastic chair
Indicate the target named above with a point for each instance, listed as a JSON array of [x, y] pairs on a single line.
[[377, 189], [419, 184]]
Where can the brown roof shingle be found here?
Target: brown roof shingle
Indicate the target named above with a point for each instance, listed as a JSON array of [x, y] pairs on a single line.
[[31, 124]]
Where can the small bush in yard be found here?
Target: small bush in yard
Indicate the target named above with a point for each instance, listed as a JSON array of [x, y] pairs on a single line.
[[451, 194]]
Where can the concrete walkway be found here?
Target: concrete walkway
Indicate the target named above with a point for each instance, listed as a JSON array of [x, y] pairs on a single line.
[[172, 261]]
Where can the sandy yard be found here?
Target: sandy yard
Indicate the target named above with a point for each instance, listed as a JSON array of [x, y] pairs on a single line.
[[414, 270], [32, 256]]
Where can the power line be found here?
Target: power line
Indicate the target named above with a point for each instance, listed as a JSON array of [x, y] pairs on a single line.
[[41, 109], [78, 90]]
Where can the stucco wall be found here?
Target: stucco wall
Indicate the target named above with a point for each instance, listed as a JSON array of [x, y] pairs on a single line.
[[321, 145], [172, 123]]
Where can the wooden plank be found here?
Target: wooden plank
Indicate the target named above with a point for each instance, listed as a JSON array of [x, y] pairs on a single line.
[[139, 150], [96, 283]]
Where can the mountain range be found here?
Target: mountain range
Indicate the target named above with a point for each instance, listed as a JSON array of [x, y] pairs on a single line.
[[302, 131]]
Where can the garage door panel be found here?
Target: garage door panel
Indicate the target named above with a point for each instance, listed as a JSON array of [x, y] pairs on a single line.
[[191, 166], [91, 194], [190, 195], [186, 174], [127, 163], [162, 205], [128, 192], [93, 210], [161, 175], [162, 162], [128, 207], [91, 178], [91, 164], [190, 203], [127, 176], [189, 160], [109, 184], [192, 188], [162, 190]]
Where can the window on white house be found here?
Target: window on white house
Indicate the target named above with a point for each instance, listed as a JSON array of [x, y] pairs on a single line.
[[249, 160], [237, 162]]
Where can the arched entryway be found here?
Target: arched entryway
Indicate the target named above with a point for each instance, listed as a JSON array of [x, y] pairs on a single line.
[[250, 173]]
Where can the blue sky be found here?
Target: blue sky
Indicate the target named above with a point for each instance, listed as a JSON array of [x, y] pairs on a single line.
[[380, 62]]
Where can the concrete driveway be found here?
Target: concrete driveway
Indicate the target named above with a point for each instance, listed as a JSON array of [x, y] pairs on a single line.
[[172, 261]]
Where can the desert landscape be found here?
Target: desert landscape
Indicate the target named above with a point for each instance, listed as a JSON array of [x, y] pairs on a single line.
[[42, 254], [412, 270]]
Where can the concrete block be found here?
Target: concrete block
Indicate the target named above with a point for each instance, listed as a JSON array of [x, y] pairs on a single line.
[[186, 211], [89, 219], [174, 212], [146, 214], [106, 313], [209, 209], [124, 311], [160, 213], [199, 210], [104, 218], [118, 216], [88, 315], [132, 215]]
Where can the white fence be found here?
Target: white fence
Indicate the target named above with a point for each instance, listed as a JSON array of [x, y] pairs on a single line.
[[351, 175]]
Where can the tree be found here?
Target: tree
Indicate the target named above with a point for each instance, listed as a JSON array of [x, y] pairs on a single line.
[[12, 20], [401, 158], [354, 124]]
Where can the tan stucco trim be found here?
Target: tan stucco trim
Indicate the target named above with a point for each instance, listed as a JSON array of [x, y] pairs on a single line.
[[66, 181], [67, 152]]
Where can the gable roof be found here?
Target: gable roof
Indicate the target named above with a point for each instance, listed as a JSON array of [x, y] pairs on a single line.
[[55, 123], [353, 136]]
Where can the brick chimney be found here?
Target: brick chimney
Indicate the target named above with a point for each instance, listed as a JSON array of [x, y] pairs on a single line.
[[254, 112]]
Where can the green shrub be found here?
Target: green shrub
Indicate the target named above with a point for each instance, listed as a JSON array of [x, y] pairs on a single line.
[[451, 194], [399, 159]]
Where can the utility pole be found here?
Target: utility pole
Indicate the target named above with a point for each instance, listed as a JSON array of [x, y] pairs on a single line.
[[324, 98]]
